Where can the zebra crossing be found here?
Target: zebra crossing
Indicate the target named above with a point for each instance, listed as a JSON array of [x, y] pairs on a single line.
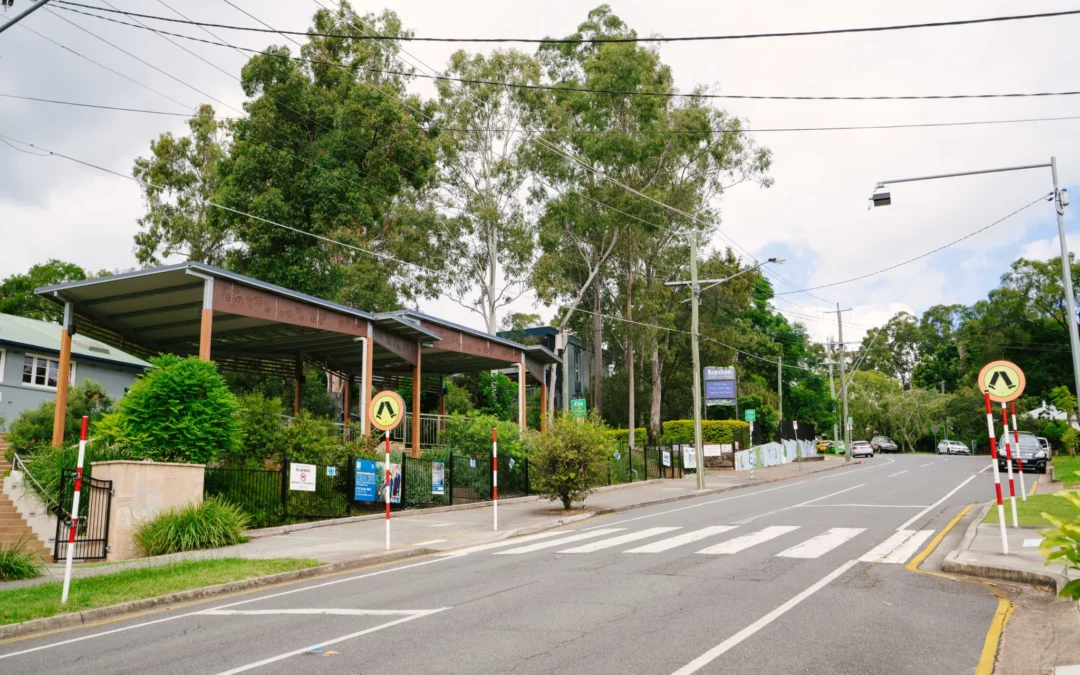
[[897, 549]]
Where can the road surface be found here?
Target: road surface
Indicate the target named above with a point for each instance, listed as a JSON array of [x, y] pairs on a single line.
[[801, 576]]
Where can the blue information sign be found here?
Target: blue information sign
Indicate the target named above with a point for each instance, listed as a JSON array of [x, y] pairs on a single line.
[[720, 385], [367, 482]]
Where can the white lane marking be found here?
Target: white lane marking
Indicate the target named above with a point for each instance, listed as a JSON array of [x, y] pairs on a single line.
[[312, 612], [303, 589], [746, 541], [733, 641], [559, 542], [956, 489], [897, 473], [327, 643], [430, 541], [866, 506], [900, 555], [926, 465], [888, 460], [682, 539], [795, 506], [886, 547], [822, 544], [499, 544], [621, 539], [694, 506]]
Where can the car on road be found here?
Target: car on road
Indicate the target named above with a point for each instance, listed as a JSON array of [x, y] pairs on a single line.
[[1045, 443], [946, 447], [884, 444], [1030, 452], [861, 449]]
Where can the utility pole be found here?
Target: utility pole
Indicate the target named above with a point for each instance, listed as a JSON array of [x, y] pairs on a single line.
[[832, 390], [843, 380], [34, 6], [695, 290], [780, 390]]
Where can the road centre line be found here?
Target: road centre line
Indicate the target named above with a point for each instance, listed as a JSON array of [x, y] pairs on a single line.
[[927, 464], [312, 612], [956, 489], [233, 604], [733, 641], [888, 460], [868, 506], [897, 473], [795, 506], [694, 506]]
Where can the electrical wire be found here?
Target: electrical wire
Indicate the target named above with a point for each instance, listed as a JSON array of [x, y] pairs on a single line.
[[624, 39]]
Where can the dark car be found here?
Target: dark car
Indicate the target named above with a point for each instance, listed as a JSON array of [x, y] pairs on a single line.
[[1031, 452], [884, 444]]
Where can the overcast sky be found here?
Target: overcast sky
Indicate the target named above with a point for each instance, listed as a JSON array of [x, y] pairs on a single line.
[[815, 215]]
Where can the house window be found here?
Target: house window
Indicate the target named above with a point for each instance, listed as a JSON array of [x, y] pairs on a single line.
[[42, 371]]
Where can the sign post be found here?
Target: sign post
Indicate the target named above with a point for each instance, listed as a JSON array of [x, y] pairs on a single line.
[[386, 410], [74, 510], [495, 475], [1003, 382]]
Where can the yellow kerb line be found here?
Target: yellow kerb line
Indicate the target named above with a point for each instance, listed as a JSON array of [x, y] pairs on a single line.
[[1034, 484]]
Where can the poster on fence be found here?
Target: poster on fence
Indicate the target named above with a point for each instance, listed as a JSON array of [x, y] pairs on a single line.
[[395, 480], [438, 482], [302, 477], [713, 450], [366, 488], [689, 457], [667, 458]]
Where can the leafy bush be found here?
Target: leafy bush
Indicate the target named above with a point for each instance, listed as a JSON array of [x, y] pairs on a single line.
[[314, 440], [682, 431], [458, 400], [16, 563], [1053, 431], [1062, 544], [179, 411], [571, 459], [32, 429], [494, 394], [1070, 440], [620, 436], [212, 523], [472, 436], [261, 429]]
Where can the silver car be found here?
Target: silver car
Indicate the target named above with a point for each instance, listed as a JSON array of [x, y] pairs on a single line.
[[952, 448], [1030, 452], [861, 449]]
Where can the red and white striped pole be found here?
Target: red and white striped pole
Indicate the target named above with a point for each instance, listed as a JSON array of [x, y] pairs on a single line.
[[75, 510], [1008, 461], [495, 474], [386, 489], [997, 476], [1019, 460]]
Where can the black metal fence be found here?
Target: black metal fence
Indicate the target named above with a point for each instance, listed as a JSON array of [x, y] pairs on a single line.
[[92, 528], [647, 463]]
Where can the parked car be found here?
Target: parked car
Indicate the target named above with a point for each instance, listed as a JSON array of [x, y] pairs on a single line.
[[946, 447], [1030, 452], [861, 449], [1045, 443], [884, 444]]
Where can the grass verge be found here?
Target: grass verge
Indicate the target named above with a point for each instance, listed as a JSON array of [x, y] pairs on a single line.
[[1029, 513], [1065, 469], [43, 600]]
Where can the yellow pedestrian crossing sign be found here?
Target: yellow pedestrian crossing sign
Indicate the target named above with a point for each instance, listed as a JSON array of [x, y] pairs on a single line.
[[386, 410], [1003, 380]]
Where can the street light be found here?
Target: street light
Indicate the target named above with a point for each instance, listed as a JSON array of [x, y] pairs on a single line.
[[1061, 200], [695, 288]]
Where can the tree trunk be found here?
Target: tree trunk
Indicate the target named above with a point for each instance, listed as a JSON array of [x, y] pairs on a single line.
[[630, 352], [598, 348], [654, 405]]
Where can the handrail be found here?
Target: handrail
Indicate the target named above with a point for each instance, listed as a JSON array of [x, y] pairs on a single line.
[[41, 491]]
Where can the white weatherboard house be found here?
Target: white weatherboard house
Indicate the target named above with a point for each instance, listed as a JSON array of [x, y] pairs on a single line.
[[30, 361]]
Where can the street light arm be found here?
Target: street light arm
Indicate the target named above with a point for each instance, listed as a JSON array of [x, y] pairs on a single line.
[[717, 282], [962, 173]]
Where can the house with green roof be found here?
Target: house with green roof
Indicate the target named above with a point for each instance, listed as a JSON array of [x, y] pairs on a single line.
[[30, 362]]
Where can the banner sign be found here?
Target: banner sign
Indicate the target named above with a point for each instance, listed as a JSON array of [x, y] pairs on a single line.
[[366, 488], [689, 457], [302, 477], [667, 458], [720, 386], [395, 481], [714, 450], [438, 478]]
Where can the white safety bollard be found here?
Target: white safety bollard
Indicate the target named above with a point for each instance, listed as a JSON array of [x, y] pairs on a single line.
[[1019, 459], [386, 489], [1008, 462], [74, 510], [997, 476], [495, 475]]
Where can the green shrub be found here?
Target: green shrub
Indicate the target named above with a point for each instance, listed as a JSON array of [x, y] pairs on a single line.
[[314, 440], [261, 430], [493, 393], [1070, 441], [179, 411], [1062, 544], [682, 431], [32, 429], [472, 436], [571, 459], [1053, 431], [620, 436], [458, 400], [212, 523], [16, 563]]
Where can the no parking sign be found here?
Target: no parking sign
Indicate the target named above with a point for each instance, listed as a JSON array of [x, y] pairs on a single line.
[[302, 477]]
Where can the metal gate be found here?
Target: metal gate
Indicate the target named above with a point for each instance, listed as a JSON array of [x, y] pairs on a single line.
[[92, 535], [470, 479]]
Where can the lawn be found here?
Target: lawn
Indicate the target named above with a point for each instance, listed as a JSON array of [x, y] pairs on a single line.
[[43, 600], [1065, 469], [1029, 512]]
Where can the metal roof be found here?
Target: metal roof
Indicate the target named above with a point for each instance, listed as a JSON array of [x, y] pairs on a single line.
[[44, 336]]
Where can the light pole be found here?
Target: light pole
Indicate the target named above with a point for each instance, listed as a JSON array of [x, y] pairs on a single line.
[[695, 296], [1061, 200]]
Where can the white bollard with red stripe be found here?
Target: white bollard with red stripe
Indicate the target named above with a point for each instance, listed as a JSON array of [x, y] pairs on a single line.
[[386, 489], [1019, 460], [997, 476], [1008, 461], [495, 475], [75, 510]]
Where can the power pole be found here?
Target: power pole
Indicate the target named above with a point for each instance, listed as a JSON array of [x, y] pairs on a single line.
[[780, 390], [695, 291], [832, 390], [34, 6], [843, 380]]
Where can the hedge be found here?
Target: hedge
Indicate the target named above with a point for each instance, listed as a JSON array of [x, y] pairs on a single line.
[[682, 431]]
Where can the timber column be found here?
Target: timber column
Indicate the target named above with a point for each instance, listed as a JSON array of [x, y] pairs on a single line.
[[298, 389], [416, 404], [63, 375], [543, 403], [206, 323], [521, 398]]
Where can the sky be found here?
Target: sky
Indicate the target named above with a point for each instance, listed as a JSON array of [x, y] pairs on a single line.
[[815, 215]]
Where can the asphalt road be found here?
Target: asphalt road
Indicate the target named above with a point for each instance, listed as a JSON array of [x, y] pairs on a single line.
[[801, 576]]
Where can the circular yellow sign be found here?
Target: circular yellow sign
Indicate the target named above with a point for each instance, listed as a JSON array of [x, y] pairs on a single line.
[[386, 410], [1003, 379]]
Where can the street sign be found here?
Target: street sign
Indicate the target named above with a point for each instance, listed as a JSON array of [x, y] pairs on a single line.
[[850, 421], [934, 428], [667, 458], [720, 385], [750, 415], [331, 471], [386, 410], [1003, 380], [577, 409], [302, 477]]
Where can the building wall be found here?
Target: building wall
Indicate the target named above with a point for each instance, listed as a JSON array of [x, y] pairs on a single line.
[[16, 397]]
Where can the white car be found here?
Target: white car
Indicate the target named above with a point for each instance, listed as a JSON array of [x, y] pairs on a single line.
[[861, 449], [953, 448]]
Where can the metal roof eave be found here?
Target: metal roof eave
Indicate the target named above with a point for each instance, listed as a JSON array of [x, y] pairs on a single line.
[[464, 329]]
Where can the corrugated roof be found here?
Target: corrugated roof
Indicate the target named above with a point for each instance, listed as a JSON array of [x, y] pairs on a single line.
[[34, 334]]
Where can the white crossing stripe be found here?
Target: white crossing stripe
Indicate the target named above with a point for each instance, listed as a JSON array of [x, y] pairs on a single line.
[[559, 542], [621, 539], [681, 539], [742, 543], [500, 544], [821, 544], [897, 548]]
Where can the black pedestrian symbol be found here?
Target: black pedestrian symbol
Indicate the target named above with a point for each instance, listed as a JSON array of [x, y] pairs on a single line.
[[386, 412], [1004, 376]]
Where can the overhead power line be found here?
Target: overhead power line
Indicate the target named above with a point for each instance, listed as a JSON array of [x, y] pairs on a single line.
[[614, 92], [924, 255], [618, 39]]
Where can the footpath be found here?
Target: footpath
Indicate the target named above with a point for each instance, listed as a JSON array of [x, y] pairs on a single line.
[[447, 528]]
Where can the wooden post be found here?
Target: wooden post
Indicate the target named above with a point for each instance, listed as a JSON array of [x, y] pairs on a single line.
[[62, 377], [365, 384], [347, 404], [206, 324], [442, 404], [521, 397], [298, 389], [416, 405], [543, 403]]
